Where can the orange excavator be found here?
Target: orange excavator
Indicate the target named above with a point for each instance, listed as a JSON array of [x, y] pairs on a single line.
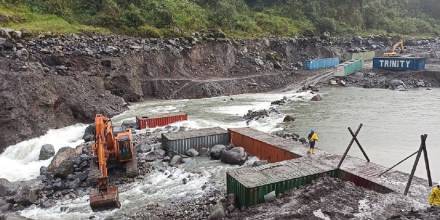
[[112, 145]]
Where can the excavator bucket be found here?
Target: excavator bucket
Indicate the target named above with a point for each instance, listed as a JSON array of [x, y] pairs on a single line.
[[103, 200]]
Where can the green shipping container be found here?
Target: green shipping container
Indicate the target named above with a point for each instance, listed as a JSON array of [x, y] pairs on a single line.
[[251, 184], [364, 56], [349, 67]]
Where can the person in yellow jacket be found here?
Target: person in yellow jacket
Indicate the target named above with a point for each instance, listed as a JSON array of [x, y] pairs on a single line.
[[313, 138], [434, 197]]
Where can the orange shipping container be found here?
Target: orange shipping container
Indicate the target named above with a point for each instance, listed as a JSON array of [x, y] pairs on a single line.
[[160, 120], [260, 144]]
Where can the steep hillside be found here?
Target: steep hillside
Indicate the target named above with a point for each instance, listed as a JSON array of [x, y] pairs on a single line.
[[237, 18]]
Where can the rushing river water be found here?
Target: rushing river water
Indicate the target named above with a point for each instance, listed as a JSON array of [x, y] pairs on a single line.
[[393, 122]]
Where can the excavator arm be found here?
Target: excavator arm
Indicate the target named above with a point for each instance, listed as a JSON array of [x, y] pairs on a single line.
[[104, 196]]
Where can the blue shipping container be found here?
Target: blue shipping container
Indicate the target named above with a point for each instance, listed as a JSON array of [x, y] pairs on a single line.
[[399, 63], [321, 63]]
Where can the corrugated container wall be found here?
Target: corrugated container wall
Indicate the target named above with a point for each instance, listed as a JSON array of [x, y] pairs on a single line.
[[255, 145], [349, 67], [160, 120], [180, 142], [316, 64], [359, 181], [399, 63], [250, 185], [365, 56]]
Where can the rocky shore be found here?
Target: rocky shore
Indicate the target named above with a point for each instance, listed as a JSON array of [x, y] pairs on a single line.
[[390, 80]]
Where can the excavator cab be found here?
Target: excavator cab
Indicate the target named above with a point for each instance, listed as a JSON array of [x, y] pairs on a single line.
[[125, 149], [123, 143]]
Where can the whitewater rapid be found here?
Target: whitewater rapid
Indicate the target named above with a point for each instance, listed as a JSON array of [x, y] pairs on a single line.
[[20, 161]]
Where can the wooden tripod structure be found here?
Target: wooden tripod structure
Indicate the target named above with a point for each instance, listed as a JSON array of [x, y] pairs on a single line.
[[354, 139]]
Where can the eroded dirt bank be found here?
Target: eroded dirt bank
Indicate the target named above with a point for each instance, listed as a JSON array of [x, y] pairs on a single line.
[[53, 81]]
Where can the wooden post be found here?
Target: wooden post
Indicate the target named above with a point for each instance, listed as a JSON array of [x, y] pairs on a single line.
[[386, 171], [419, 153], [425, 154], [359, 144], [349, 146]]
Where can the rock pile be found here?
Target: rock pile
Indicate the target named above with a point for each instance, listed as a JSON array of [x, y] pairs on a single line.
[[394, 80], [255, 115]]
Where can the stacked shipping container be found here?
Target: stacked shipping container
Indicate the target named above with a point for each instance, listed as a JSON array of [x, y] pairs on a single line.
[[260, 144], [251, 184], [399, 63], [349, 67], [180, 142], [323, 63], [160, 120], [364, 56]]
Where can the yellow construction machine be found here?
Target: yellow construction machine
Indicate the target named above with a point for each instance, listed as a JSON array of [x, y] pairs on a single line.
[[394, 52]]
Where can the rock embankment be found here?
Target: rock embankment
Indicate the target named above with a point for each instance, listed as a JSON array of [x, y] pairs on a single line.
[[390, 80]]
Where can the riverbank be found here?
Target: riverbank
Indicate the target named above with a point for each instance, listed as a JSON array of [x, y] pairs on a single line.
[[388, 80]]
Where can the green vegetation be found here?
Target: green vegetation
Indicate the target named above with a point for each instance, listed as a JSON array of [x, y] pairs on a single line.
[[237, 18], [22, 18]]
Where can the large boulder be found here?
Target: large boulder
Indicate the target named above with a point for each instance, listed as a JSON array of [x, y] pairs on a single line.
[[255, 115], [47, 151], [288, 118], [129, 124], [396, 83], [62, 164], [7, 188], [157, 154], [217, 212], [192, 152], [4, 206], [216, 151], [316, 98], [144, 148], [176, 160], [89, 133], [27, 193], [235, 156]]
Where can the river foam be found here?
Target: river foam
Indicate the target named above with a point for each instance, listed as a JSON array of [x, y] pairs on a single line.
[[20, 161]]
